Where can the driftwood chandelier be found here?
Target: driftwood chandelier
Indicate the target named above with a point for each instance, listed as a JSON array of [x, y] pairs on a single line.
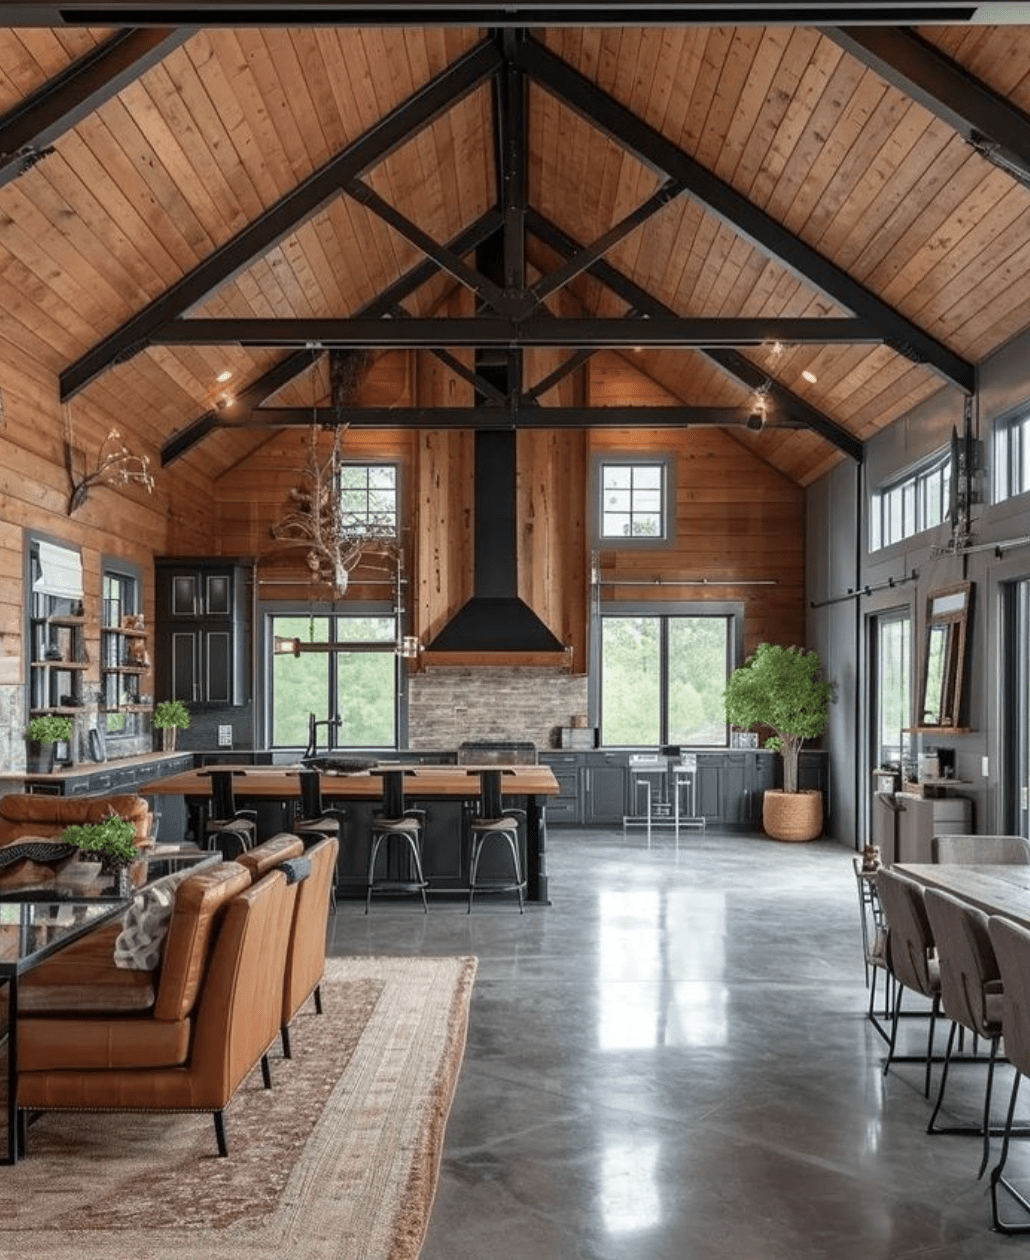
[[335, 541]]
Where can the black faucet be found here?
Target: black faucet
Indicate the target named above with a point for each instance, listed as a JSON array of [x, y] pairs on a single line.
[[313, 725]]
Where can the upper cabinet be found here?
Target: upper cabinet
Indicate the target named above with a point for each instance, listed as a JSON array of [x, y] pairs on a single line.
[[202, 632]]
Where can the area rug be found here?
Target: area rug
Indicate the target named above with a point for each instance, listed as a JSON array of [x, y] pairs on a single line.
[[338, 1161]]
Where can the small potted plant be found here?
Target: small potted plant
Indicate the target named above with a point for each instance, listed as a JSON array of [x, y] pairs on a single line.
[[46, 730], [783, 688], [170, 716], [111, 842]]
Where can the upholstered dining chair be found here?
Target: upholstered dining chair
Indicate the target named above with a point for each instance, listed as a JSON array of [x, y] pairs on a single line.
[[1011, 943], [911, 955], [493, 821], [981, 850], [971, 992]]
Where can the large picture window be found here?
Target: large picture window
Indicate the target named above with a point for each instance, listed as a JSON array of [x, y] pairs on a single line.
[[357, 687], [663, 678]]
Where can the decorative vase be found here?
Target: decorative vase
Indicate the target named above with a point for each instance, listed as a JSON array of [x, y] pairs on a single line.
[[792, 815], [40, 758], [168, 738]]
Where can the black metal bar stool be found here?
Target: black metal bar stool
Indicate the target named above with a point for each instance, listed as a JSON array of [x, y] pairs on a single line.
[[494, 820], [316, 822], [226, 826], [396, 821]]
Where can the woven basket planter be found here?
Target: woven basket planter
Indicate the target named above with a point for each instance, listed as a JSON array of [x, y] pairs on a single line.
[[792, 815]]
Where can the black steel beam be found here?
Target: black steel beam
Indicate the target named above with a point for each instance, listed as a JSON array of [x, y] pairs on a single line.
[[615, 120], [294, 364], [522, 417], [999, 129], [396, 128], [565, 368], [675, 332], [784, 402], [28, 130], [485, 12], [511, 132]]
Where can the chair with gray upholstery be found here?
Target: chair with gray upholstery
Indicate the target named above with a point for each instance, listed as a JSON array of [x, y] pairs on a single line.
[[981, 850], [971, 992], [911, 954], [1011, 943]]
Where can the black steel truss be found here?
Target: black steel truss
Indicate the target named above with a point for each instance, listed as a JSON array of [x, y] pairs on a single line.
[[28, 132], [517, 319], [996, 127], [520, 416]]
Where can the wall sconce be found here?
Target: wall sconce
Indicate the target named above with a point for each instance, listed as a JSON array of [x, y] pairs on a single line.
[[115, 466]]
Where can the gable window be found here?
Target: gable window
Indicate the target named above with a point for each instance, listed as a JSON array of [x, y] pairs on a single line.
[[368, 499], [633, 500], [914, 502], [1012, 455]]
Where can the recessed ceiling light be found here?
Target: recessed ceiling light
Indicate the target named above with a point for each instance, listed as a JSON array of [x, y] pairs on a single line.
[[222, 377], [810, 377]]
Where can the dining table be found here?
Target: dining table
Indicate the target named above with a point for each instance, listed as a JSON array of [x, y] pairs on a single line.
[[999, 889]]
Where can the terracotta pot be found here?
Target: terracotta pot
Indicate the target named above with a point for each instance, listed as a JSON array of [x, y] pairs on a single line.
[[792, 815]]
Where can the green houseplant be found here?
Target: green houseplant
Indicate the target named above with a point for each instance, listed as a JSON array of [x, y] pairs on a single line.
[[47, 730], [170, 716], [783, 688], [112, 841]]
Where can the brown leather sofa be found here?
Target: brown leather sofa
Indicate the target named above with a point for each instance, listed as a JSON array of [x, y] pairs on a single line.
[[91, 1029], [217, 1011], [30, 814]]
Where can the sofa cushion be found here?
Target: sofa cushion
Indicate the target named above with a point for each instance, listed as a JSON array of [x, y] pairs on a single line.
[[112, 1042], [82, 977]]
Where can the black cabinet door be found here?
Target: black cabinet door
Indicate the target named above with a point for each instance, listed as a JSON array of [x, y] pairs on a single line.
[[202, 656]]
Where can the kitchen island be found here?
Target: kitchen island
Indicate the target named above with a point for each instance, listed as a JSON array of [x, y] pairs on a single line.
[[447, 794]]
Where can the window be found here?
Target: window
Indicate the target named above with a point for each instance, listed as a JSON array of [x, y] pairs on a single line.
[[353, 694], [919, 500], [893, 648], [1012, 455], [123, 658], [633, 500], [368, 499], [662, 678]]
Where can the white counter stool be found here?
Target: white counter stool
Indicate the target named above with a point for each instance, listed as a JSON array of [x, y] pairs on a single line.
[[492, 821], [396, 821]]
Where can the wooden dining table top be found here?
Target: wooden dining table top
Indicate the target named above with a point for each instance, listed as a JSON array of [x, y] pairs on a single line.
[[420, 780], [995, 889]]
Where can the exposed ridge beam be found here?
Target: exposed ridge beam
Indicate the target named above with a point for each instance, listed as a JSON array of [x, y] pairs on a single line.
[[993, 125], [31, 127], [650, 146], [520, 417], [396, 128], [786, 403], [298, 362], [674, 332]]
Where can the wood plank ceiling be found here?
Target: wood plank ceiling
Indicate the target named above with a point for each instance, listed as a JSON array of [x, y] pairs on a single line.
[[914, 229]]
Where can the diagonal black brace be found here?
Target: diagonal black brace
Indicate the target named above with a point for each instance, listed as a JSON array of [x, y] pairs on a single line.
[[650, 146], [420, 109]]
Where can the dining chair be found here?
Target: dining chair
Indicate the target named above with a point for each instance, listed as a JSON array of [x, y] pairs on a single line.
[[1011, 942], [971, 993], [493, 820], [396, 821], [981, 850], [911, 955]]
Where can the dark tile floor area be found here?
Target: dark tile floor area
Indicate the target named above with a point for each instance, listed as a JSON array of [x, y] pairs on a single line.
[[671, 1061]]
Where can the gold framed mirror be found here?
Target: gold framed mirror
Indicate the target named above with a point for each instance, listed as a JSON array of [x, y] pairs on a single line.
[[944, 657]]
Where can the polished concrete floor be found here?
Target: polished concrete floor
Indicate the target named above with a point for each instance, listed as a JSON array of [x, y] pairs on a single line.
[[671, 1061]]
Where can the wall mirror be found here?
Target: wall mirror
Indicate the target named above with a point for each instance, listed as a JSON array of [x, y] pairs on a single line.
[[947, 621]]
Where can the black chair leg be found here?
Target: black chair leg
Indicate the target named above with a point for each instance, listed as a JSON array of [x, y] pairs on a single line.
[[223, 1144], [987, 1108], [944, 1078], [894, 1031], [284, 1037], [318, 999], [266, 1071], [997, 1178]]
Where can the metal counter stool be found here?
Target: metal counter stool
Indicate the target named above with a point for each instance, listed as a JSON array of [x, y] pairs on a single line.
[[494, 820], [225, 821], [316, 822], [396, 821]]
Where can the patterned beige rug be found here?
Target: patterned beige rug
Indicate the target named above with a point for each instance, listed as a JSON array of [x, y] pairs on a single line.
[[339, 1161]]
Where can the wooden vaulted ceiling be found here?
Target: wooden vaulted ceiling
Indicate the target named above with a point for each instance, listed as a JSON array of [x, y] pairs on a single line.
[[316, 178]]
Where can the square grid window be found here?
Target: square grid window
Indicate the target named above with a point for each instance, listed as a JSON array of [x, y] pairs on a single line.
[[368, 499], [633, 500]]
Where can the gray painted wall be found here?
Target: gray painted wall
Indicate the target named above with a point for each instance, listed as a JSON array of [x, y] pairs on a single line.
[[839, 561]]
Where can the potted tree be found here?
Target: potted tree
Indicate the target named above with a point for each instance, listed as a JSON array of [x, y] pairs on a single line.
[[783, 688], [45, 731], [170, 716]]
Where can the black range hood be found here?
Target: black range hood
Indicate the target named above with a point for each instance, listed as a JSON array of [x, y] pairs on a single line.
[[495, 619]]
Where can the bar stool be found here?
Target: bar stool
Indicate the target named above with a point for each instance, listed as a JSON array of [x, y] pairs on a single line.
[[493, 820], [316, 822], [225, 820], [396, 821]]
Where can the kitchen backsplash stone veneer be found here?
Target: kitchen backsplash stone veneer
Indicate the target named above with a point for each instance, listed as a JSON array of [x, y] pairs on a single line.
[[448, 706]]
